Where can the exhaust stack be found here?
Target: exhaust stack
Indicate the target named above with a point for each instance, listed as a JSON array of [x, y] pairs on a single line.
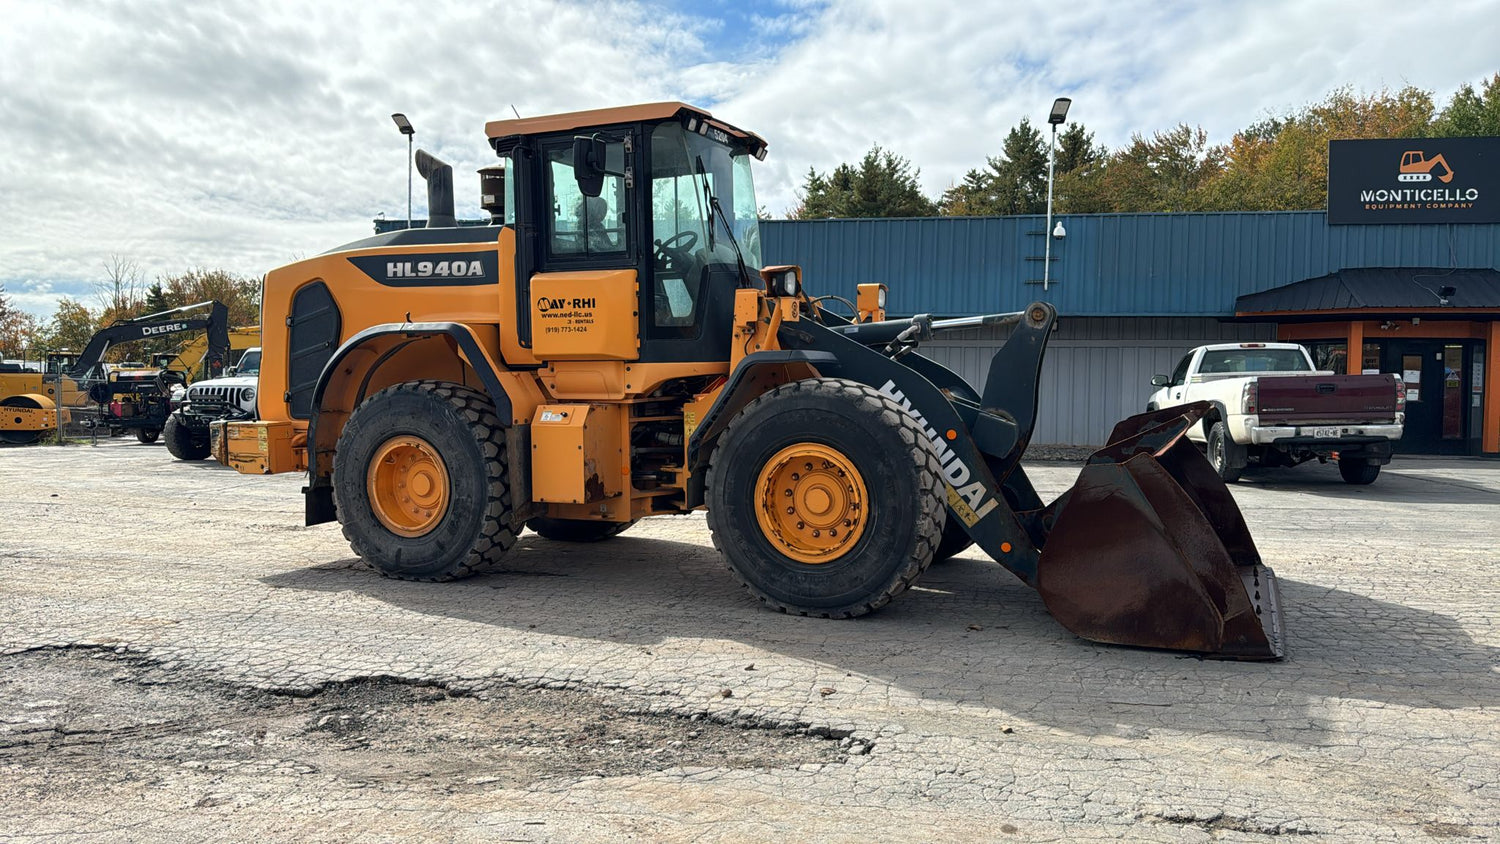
[[439, 178]]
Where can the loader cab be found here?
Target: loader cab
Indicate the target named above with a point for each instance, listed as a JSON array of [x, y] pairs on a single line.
[[669, 196]]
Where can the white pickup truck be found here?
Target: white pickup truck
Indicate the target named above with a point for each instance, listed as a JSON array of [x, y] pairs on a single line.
[[1276, 409]]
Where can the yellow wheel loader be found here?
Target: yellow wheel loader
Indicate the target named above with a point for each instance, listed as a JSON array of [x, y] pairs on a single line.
[[613, 348]]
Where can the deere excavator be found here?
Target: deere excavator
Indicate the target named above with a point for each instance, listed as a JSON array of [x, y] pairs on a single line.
[[612, 347], [119, 398]]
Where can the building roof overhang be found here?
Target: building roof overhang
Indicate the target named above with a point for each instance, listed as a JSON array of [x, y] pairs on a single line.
[[1378, 293]]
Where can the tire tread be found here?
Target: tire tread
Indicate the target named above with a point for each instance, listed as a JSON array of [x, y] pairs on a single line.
[[862, 398], [496, 535]]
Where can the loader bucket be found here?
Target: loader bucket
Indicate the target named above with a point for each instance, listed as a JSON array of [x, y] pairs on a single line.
[[1149, 549]]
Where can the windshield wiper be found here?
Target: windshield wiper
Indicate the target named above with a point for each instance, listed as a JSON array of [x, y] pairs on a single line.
[[716, 212]]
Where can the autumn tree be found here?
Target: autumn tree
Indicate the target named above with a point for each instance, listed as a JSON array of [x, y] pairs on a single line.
[[18, 329], [1165, 172], [883, 184], [240, 294], [1281, 163], [70, 326]]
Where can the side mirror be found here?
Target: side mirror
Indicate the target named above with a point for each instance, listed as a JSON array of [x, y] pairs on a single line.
[[1160, 381], [229, 373], [588, 164]]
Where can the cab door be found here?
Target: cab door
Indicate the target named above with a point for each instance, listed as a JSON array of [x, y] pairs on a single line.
[[582, 299]]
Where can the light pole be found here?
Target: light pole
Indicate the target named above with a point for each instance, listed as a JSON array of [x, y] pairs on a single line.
[[406, 129], [1059, 115]]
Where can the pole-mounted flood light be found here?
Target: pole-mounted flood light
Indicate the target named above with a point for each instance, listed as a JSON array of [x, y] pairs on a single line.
[[1059, 111], [1059, 115], [406, 129]]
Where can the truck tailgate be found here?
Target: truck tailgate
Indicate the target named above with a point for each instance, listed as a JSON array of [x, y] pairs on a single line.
[[1319, 399]]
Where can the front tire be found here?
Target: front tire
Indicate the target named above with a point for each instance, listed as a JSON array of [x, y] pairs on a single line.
[[419, 481], [825, 498], [1359, 470], [147, 435], [1222, 454], [185, 442]]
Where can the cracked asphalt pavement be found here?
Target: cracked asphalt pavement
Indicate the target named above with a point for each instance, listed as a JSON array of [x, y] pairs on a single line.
[[181, 660]]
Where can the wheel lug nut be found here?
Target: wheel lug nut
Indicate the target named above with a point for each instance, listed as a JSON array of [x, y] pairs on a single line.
[[791, 510], [817, 533], [833, 531], [788, 493], [800, 526], [807, 466], [796, 477]]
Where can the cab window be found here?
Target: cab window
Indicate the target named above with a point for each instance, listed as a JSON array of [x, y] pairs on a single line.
[[586, 226]]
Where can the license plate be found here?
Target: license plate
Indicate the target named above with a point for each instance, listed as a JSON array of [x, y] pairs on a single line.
[[1326, 433]]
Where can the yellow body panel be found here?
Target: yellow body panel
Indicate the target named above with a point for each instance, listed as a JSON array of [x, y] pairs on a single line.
[[585, 316], [20, 383], [364, 302], [258, 448], [41, 417], [869, 302], [578, 454], [34, 383]]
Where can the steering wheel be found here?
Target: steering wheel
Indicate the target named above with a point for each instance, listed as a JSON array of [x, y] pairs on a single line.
[[677, 251]]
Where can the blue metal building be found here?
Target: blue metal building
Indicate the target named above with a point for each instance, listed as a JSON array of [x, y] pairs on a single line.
[[1137, 290]]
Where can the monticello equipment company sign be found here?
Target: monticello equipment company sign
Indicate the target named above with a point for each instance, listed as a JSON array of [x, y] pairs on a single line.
[[1414, 180]]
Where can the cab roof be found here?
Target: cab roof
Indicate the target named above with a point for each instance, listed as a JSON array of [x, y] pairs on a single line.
[[575, 120]]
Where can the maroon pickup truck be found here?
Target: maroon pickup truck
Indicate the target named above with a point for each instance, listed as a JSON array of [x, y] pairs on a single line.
[[1278, 411]]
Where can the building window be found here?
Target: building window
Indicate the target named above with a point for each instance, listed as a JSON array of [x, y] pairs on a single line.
[[1330, 355]]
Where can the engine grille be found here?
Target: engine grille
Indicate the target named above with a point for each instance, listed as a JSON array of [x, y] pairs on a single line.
[[211, 399]]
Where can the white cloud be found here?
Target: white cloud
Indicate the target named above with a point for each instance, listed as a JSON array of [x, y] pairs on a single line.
[[245, 134]]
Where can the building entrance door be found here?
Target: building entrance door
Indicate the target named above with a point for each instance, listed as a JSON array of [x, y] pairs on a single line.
[[1441, 387]]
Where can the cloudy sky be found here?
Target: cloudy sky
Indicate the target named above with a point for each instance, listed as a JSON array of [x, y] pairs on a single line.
[[244, 135]]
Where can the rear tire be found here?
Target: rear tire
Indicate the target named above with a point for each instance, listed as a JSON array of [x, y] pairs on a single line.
[[147, 435], [576, 530], [870, 472], [1222, 454], [1360, 470], [185, 442], [452, 435]]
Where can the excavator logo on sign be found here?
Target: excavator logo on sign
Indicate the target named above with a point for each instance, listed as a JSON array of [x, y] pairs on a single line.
[[1416, 167]]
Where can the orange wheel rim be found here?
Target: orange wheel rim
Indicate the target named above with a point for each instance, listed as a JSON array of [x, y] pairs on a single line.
[[811, 503], [408, 486]]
